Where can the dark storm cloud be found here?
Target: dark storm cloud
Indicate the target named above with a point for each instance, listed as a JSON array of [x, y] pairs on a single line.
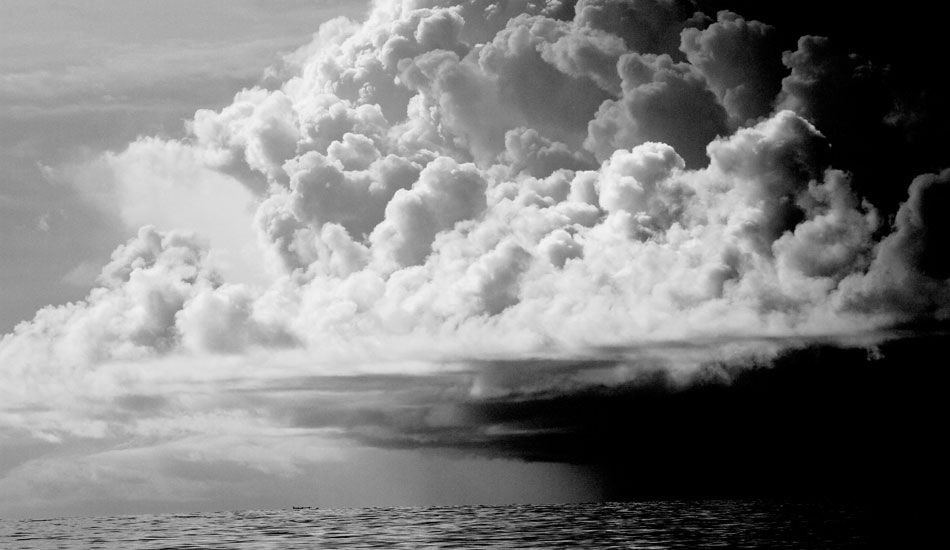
[[820, 418]]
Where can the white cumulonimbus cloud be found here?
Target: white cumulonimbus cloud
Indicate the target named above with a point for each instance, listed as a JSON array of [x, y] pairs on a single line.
[[447, 170]]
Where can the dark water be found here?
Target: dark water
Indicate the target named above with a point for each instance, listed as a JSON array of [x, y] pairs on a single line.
[[687, 524]]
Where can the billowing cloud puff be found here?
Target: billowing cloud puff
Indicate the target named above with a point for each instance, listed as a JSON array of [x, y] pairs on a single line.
[[836, 237], [256, 132], [644, 25], [639, 182], [131, 314], [526, 150], [741, 60], [446, 193], [910, 274], [662, 101]]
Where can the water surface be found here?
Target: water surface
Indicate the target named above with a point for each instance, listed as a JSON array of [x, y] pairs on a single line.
[[654, 525]]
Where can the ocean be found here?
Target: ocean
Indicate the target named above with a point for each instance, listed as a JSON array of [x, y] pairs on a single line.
[[653, 525]]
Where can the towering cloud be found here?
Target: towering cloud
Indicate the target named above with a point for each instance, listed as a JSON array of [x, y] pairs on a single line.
[[741, 61], [448, 181]]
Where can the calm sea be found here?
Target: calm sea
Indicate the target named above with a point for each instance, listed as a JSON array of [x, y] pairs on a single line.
[[670, 524]]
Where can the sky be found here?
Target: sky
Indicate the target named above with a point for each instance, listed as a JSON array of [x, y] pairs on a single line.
[[414, 252]]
